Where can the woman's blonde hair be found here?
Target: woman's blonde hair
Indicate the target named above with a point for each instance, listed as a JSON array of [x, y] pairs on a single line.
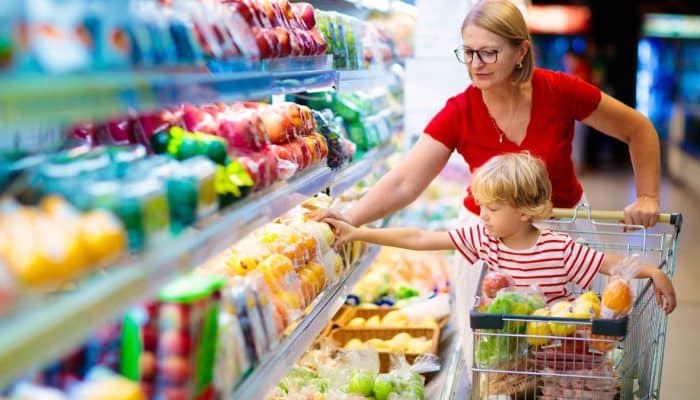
[[504, 19], [517, 179]]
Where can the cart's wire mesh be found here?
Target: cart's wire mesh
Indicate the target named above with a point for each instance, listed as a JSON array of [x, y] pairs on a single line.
[[510, 363]]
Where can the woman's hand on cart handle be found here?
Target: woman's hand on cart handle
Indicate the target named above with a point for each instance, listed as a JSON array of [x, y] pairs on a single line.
[[644, 211], [605, 215]]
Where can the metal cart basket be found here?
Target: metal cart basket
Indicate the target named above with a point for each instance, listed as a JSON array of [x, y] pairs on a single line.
[[544, 357]]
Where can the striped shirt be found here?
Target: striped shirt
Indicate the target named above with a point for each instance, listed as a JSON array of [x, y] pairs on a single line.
[[554, 261]]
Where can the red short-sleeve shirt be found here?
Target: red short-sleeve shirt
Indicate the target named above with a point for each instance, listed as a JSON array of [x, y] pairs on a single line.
[[558, 100]]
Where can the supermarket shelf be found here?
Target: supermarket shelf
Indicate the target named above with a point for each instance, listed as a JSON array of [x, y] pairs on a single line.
[[272, 369], [100, 95], [352, 81], [359, 169], [41, 330]]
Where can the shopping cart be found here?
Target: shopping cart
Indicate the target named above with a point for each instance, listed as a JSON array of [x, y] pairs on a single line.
[[516, 357]]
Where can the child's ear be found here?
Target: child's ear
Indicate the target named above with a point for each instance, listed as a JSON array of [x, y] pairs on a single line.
[[525, 217]]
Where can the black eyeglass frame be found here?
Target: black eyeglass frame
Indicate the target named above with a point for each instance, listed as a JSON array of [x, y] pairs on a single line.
[[478, 54]]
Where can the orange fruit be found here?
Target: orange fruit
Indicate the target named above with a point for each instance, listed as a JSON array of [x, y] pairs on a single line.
[[617, 297]]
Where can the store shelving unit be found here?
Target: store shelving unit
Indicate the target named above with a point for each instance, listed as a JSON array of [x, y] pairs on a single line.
[[59, 99], [43, 329], [272, 369]]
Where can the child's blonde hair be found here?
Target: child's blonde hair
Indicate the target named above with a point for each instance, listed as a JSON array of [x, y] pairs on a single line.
[[517, 179]]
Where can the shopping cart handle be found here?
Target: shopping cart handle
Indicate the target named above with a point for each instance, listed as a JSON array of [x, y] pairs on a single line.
[[617, 216]]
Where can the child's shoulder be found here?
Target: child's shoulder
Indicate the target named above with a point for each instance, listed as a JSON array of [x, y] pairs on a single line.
[[548, 234]]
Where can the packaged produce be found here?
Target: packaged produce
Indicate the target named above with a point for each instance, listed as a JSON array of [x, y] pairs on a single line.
[[187, 332], [617, 296]]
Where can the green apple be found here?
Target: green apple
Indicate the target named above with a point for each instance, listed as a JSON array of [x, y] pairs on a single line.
[[361, 382], [383, 386]]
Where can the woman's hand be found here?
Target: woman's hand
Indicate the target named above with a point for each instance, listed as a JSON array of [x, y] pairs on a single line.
[[343, 231], [665, 293], [644, 211]]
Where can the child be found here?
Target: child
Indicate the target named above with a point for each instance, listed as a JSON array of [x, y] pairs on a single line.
[[513, 190]]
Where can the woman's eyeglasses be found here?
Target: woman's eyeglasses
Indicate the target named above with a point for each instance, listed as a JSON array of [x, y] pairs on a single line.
[[466, 56]]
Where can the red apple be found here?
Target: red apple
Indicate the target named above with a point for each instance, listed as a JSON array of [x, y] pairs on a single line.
[[150, 338], [198, 120], [314, 148], [296, 154], [257, 168], [275, 125], [264, 46], [174, 393], [307, 45], [495, 281], [284, 40], [84, 132], [257, 127], [287, 13], [305, 12], [245, 11], [287, 164], [238, 133], [175, 370], [292, 112], [305, 153], [114, 132], [324, 145], [320, 40], [147, 365], [296, 43], [176, 343]]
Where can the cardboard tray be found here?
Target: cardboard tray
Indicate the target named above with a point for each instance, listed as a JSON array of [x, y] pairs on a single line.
[[343, 335], [347, 313]]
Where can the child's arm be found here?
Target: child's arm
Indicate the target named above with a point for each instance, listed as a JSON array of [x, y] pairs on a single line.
[[407, 238], [663, 288]]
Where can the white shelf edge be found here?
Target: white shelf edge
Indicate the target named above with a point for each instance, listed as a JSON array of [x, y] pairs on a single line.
[[272, 369], [38, 332]]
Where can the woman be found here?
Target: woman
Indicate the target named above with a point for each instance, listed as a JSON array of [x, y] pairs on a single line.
[[512, 106]]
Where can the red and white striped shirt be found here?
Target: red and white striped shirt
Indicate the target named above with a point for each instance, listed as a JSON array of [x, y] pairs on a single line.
[[553, 262]]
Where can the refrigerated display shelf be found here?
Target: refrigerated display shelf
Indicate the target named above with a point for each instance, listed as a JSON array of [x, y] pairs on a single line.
[[39, 330], [99, 95], [353, 81], [359, 169], [272, 368]]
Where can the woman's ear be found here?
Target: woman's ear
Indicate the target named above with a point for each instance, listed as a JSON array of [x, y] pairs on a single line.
[[523, 50]]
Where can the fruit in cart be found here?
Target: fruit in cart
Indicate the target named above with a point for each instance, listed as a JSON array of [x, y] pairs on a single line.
[[361, 382], [587, 304], [564, 309], [538, 328], [383, 386], [495, 281], [176, 370], [603, 343], [616, 299], [174, 342]]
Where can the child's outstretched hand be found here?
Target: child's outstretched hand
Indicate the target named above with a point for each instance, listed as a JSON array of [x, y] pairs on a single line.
[[343, 231], [665, 293]]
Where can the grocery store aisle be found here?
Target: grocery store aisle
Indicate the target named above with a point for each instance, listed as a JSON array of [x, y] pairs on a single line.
[[682, 359]]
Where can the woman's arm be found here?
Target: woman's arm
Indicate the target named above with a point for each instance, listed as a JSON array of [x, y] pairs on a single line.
[[663, 288], [403, 183], [615, 119], [406, 238]]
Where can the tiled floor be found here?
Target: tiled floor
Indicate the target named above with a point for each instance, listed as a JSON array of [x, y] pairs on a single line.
[[681, 369]]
